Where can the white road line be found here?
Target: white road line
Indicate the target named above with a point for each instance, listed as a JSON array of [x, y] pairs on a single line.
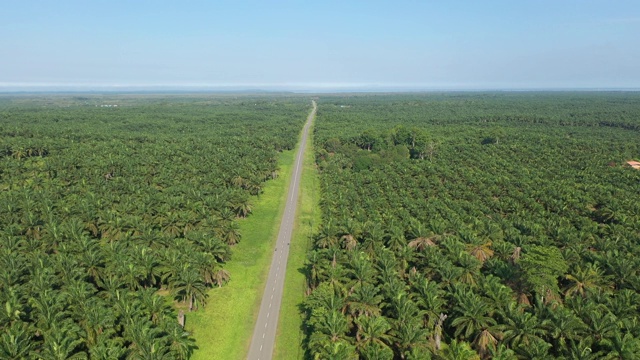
[[286, 231]]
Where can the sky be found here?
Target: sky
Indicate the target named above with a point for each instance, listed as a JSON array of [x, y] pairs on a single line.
[[306, 45]]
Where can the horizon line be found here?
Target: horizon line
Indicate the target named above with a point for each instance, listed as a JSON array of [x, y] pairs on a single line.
[[9, 88]]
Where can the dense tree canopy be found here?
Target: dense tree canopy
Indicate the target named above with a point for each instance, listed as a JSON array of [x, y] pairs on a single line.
[[105, 208], [477, 225]]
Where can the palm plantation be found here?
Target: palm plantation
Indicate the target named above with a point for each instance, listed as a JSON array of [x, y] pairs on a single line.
[[462, 226], [115, 220]]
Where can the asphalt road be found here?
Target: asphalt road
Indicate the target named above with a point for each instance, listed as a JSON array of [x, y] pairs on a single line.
[[264, 333]]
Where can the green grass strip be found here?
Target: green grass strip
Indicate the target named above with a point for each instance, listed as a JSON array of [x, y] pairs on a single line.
[[290, 334], [223, 329]]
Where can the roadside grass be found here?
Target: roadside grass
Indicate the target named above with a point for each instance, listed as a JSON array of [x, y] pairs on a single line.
[[290, 325], [223, 329]]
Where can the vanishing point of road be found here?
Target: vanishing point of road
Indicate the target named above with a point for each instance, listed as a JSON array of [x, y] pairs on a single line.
[[264, 333]]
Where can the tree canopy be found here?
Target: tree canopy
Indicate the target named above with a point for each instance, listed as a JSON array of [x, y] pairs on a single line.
[[476, 225]]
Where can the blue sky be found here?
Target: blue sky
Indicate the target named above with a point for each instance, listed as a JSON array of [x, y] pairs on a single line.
[[322, 44]]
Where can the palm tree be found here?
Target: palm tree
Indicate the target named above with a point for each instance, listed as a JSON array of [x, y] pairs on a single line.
[[430, 298], [408, 336], [98, 321], [93, 262], [180, 344], [469, 268], [61, 344], [213, 245], [538, 349], [375, 351], [329, 350], [474, 322], [601, 324], [421, 237], [189, 286], [583, 350], [147, 261], [327, 236], [221, 276], [107, 348], [147, 341], [333, 324], [154, 306], [564, 326], [395, 238], [458, 350], [499, 294], [502, 352], [364, 300], [481, 250], [485, 342], [361, 269], [520, 327], [350, 234], [230, 233], [14, 306], [584, 280], [371, 329], [624, 303], [622, 346], [315, 264], [16, 341], [79, 292]]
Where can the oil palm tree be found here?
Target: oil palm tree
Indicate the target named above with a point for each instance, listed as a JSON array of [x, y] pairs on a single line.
[[364, 300], [62, 343], [519, 327], [564, 326], [189, 287], [421, 237], [371, 329], [361, 269], [458, 350], [16, 341], [472, 322], [622, 346], [181, 344], [407, 336], [583, 280]]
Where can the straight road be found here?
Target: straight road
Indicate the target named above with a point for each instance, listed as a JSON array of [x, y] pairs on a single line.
[[264, 333]]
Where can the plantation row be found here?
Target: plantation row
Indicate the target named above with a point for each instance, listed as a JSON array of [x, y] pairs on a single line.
[[109, 213], [462, 226]]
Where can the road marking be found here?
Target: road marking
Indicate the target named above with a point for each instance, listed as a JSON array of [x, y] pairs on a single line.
[[286, 231]]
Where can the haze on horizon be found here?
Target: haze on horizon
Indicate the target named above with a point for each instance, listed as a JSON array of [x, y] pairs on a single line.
[[496, 44]]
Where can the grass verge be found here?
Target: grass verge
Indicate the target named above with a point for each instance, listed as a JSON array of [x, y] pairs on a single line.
[[224, 327], [290, 331]]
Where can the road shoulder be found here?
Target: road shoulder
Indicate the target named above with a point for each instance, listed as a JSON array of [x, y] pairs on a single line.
[[290, 333]]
